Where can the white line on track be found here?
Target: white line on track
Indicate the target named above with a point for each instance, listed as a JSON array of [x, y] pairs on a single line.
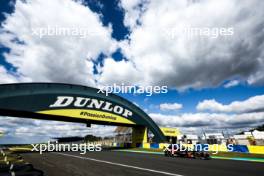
[[118, 164]]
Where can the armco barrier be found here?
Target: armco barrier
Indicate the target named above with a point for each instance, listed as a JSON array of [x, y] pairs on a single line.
[[146, 145], [139, 145], [163, 145], [240, 148], [256, 149], [127, 145], [154, 145]]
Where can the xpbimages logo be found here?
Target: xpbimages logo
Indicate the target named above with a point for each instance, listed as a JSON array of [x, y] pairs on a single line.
[[57, 147], [174, 148], [132, 89]]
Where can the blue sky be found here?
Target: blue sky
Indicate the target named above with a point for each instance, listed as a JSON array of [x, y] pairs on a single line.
[[113, 15], [191, 98], [137, 46]]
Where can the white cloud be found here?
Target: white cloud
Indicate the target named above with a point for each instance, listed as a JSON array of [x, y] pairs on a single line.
[[118, 72], [33, 130], [12, 77], [231, 84], [251, 104], [55, 58], [133, 11], [156, 58], [5, 77], [170, 106], [212, 121]]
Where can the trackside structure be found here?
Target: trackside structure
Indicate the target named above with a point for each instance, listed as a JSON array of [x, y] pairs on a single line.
[[74, 103]]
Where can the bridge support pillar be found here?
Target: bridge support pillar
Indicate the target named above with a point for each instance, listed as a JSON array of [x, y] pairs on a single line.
[[139, 136]]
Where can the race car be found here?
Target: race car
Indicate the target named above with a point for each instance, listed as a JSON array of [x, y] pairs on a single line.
[[173, 150]]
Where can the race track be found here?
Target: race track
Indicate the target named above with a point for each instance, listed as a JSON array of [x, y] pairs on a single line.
[[116, 163]]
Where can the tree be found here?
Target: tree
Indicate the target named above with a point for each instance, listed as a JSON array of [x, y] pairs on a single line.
[[260, 128], [92, 138]]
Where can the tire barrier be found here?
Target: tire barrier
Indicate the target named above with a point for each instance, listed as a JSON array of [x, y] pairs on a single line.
[[14, 165]]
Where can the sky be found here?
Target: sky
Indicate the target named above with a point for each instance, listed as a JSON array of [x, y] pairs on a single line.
[[215, 80]]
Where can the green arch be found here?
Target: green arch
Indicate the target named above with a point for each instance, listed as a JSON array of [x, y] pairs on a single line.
[[36, 100]]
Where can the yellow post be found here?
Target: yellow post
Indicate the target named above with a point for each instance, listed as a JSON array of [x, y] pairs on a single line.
[[139, 135]]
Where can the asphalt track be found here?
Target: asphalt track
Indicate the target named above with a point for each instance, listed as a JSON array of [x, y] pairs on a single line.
[[116, 163]]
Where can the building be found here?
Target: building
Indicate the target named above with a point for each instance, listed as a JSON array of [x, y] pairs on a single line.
[[250, 138], [213, 138], [242, 139], [189, 139], [258, 137], [124, 134]]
